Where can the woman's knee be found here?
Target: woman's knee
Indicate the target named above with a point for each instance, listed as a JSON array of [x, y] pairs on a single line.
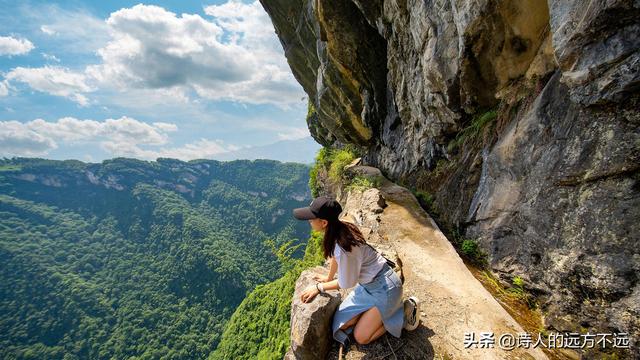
[[365, 336], [361, 336]]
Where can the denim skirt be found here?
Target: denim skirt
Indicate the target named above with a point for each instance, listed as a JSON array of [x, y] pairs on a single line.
[[383, 292]]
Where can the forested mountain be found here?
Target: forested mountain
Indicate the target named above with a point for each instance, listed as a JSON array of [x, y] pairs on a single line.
[[137, 259], [260, 327]]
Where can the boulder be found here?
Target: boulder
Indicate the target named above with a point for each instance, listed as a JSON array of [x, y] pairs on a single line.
[[311, 322]]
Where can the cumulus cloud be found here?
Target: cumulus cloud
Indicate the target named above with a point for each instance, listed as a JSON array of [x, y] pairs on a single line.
[[17, 139], [122, 130], [14, 46], [234, 56], [54, 80], [119, 137]]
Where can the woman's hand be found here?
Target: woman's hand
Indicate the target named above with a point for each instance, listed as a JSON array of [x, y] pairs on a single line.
[[321, 278], [309, 293]]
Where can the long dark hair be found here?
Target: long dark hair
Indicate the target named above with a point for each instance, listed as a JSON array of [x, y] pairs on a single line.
[[344, 233]]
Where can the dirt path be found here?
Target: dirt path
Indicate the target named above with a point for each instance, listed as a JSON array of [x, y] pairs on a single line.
[[453, 301]]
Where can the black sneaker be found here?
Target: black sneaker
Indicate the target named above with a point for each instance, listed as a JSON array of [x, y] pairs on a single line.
[[411, 311]]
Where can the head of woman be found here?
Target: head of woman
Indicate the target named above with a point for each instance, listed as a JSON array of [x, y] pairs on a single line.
[[323, 215], [343, 233]]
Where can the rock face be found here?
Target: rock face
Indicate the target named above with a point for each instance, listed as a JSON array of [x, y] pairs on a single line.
[[519, 116], [311, 322]]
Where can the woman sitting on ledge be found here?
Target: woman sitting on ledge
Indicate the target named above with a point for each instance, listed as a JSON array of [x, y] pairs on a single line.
[[375, 305]]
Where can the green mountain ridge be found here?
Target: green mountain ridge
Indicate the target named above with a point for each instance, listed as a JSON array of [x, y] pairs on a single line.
[[136, 259]]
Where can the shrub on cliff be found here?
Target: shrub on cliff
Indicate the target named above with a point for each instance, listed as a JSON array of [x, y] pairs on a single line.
[[330, 161]]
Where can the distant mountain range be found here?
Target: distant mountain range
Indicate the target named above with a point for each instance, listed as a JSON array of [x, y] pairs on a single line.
[[301, 151]]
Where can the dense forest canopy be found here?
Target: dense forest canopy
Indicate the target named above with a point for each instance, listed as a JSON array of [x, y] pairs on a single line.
[[138, 259]]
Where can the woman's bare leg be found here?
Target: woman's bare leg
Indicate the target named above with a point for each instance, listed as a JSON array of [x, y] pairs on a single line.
[[369, 327], [379, 332]]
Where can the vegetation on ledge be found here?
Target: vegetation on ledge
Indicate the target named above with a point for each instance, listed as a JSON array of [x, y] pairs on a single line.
[[331, 162]]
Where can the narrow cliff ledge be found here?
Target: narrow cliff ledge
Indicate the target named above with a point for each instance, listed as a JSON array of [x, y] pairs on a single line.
[[518, 117], [454, 301]]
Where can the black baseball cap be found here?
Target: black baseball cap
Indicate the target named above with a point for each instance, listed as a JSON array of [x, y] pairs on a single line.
[[322, 207]]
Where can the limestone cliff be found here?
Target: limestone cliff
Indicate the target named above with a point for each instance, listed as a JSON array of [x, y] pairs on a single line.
[[519, 116]]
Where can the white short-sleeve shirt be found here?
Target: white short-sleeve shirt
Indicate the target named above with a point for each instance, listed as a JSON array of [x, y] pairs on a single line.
[[360, 265]]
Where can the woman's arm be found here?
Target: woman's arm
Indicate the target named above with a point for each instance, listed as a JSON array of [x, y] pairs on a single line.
[[327, 283], [331, 285], [309, 293], [333, 268]]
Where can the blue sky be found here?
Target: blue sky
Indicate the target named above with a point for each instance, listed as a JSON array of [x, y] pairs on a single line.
[[92, 80]]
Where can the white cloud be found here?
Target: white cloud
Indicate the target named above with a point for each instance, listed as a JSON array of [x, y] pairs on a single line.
[[4, 88], [53, 80], [200, 149], [165, 126], [47, 30], [119, 137], [122, 130], [50, 57], [13, 46], [75, 31], [250, 27], [17, 139], [148, 56], [235, 57]]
